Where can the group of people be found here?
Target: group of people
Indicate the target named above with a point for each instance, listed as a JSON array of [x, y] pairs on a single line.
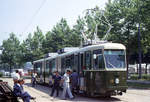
[[18, 89], [69, 81]]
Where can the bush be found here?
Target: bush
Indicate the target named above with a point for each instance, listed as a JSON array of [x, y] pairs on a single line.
[[136, 76], [146, 76], [1, 74]]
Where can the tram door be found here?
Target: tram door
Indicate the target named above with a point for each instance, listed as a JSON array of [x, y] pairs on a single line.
[[41, 72], [80, 63], [80, 72]]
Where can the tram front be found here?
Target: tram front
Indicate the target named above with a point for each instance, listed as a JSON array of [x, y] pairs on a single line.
[[115, 65], [108, 76], [115, 75]]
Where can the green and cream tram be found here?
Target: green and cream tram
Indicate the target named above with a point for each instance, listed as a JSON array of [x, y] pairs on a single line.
[[101, 68]]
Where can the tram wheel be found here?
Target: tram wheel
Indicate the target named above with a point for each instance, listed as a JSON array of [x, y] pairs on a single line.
[[89, 94], [107, 96]]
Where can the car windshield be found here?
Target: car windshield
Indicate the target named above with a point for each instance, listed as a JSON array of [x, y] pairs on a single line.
[[115, 58]]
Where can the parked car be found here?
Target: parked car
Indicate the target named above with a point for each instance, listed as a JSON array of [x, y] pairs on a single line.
[[6, 73]]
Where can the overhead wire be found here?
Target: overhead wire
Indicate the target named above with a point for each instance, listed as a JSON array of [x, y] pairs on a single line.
[[33, 17]]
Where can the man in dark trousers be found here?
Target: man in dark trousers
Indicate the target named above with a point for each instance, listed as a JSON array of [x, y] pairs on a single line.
[[74, 81], [56, 79]]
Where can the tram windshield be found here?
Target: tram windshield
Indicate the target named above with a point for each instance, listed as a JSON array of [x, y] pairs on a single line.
[[114, 58]]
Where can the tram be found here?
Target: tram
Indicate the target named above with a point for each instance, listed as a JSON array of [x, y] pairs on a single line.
[[101, 68]]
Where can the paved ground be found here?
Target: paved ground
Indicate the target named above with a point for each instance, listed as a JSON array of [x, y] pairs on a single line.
[[42, 95]]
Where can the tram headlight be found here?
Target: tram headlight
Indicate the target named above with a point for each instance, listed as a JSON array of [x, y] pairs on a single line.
[[117, 80]]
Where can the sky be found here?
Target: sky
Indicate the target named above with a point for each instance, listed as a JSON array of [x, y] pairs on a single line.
[[23, 16]]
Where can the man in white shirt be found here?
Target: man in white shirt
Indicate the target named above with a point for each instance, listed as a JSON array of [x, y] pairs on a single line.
[[66, 86], [16, 76]]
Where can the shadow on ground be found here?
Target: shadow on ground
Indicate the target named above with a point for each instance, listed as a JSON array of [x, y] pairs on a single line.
[[77, 98]]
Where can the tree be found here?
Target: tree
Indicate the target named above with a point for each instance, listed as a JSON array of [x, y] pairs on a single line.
[[31, 47], [11, 52], [47, 43], [26, 49], [58, 37], [36, 44]]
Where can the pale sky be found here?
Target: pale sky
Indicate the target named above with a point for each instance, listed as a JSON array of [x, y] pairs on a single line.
[[22, 16]]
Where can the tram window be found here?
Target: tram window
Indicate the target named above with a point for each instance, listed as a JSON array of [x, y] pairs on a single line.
[[68, 61], [98, 60], [115, 58], [81, 61], [101, 61], [76, 62], [53, 65], [39, 68], [88, 59], [72, 61], [63, 63], [35, 67], [47, 68]]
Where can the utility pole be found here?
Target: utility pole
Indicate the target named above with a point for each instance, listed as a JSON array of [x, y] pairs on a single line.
[[139, 48], [139, 43]]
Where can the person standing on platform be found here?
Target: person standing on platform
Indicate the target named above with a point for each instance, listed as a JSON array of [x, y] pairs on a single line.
[[16, 77], [74, 81], [33, 79], [66, 85], [17, 74], [56, 85]]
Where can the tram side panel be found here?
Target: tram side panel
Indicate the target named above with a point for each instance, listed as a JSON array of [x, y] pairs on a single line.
[[95, 83]]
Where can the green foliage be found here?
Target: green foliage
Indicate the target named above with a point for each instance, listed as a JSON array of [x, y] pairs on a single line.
[[125, 16], [61, 36], [146, 77], [36, 44], [136, 77], [11, 52], [26, 48]]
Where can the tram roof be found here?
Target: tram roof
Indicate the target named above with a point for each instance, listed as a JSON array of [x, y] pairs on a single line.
[[99, 46], [112, 46], [107, 45], [40, 60]]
